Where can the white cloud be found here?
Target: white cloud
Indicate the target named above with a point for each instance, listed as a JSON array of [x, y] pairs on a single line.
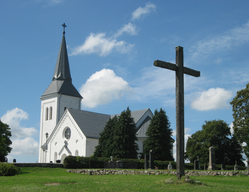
[[103, 87], [212, 99], [231, 128], [26, 146], [13, 118], [186, 136], [142, 11], [222, 42], [22, 142], [99, 44], [154, 83], [128, 28]]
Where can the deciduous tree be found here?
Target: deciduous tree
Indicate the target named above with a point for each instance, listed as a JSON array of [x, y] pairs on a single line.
[[5, 141], [214, 133], [240, 104]]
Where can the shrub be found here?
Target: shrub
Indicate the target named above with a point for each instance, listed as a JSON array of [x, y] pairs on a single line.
[[7, 169]]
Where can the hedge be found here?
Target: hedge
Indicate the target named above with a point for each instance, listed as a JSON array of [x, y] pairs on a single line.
[[7, 169]]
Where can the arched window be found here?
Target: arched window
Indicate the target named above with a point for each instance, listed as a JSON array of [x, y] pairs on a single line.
[[50, 113], [46, 114]]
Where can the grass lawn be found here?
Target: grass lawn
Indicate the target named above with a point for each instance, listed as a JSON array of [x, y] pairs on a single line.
[[57, 179]]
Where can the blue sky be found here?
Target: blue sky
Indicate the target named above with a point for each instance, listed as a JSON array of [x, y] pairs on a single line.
[[112, 46]]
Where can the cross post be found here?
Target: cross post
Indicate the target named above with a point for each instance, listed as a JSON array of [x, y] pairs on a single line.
[[180, 71]]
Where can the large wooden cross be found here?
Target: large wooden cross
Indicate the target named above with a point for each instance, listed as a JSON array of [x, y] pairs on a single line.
[[180, 70]]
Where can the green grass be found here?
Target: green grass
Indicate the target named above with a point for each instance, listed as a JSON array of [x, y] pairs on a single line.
[[52, 179]]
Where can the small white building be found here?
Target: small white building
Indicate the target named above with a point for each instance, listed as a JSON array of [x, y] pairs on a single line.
[[65, 129]]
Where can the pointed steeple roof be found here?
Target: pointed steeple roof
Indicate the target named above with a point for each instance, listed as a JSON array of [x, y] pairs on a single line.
[[62, 70], [62, 81]]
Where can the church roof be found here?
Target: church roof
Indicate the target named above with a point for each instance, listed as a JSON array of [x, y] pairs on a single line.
[[91, 124], [62, 70], [135, 114], [62, 81]]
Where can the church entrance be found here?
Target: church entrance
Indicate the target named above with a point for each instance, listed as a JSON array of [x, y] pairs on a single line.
[[63, 157]]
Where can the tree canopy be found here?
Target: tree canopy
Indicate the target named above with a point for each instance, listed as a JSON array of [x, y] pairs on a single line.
[[5, 141], [214, 133], [159, 137], [118, 138], [240, 104], [105, 146]]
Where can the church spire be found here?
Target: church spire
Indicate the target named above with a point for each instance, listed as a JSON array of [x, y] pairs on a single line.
[[62, 70], [62, 81]]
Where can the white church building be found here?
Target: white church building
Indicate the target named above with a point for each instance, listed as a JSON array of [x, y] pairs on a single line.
[[65, 129]]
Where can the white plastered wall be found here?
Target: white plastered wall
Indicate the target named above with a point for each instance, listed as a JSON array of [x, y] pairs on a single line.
[[75, 144], [47, 125], [90, 146]]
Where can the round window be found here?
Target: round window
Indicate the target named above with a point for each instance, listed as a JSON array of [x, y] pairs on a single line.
[[68, 133]]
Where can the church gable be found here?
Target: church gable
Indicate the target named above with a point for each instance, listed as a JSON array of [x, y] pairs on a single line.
[[67, 138]]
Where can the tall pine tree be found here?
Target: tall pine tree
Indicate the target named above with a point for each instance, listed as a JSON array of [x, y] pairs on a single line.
[[124, 140], [159, 137], [105, 146]]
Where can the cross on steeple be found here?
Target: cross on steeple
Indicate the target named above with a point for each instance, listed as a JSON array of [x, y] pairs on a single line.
[[64, 26]]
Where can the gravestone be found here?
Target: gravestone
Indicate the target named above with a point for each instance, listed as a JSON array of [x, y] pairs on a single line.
[[180, 70], [169, 166], [211, 159], [205, 166], [199, 164], [151, 164], [222, 166], [236, 166], [111, 158], [196, 166], [145, 161]]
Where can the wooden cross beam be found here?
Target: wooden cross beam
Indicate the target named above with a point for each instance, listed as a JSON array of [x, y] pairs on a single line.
[[180, 70]]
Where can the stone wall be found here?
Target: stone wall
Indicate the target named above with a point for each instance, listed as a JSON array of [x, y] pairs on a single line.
[[155, 172], [51, 165]]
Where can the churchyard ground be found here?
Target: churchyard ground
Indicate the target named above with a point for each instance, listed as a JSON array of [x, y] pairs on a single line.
[[57, 179]]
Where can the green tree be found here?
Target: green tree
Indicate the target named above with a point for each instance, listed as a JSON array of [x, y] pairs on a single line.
[[5, 141], [214, 133], [235, 152], [124, 140], [240, 105], [159, 137], [105, 146]]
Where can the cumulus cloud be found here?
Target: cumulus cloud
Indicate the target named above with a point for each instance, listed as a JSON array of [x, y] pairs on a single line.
[[139, 12], [214, 98], [22, 142], [26, 146], [13, 118], [222, 42], [99, 44], [103, 87]]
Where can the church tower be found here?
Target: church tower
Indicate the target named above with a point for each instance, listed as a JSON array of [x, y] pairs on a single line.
[[60, 95]]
